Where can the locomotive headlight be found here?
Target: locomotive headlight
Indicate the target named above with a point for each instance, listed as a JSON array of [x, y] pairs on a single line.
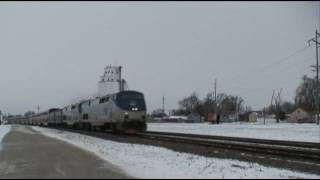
[[126, 113]]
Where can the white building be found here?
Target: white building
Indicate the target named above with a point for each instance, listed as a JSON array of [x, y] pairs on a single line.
[[301, 116], [111, 81], [253, 117]]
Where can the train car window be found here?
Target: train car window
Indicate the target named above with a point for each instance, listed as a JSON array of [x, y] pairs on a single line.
[[85, 116], [103, 100], [80, 108]]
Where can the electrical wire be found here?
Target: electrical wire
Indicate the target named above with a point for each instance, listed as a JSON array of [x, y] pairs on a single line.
[[268, 66], [257, 78], [283, 82]]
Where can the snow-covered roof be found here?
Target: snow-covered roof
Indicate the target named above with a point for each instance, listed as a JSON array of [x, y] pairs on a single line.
[[177, 117]]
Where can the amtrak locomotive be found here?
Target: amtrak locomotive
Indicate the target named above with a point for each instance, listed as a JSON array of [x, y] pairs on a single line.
[[119, 111]]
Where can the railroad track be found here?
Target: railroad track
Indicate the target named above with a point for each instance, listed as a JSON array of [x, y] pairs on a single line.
[[302, 151], [296, 156], [241, 139], [291, 149]]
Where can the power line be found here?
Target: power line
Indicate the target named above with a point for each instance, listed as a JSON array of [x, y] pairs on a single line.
[[263, 90], [283, 82], [267, 66], [273, 74], [258, 79]]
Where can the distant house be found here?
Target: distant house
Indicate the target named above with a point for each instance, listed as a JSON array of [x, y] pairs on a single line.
[[194, 118], [248, 117], [212, 117], [174, 119], [301, 116], [228, 118]]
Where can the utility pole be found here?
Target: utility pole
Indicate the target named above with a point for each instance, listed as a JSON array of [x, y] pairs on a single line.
[[120, 80], [163, 104], [215, 98], [38, 108], [277, 103], [264, 115], [278, 106], [315, 39], [270, 107], [236, 109]]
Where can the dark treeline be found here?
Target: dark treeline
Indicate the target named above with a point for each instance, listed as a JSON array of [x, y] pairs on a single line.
[[223, 104], [305, 97]]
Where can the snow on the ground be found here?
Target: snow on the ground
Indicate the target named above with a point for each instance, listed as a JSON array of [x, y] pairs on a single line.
[[4, 129], [143, 161], [281, 131]]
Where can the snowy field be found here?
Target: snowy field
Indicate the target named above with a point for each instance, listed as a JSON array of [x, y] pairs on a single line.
[[143, 161], [270, 130], [4, 129]]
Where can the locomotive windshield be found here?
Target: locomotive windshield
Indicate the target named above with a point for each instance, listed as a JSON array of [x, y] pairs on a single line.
[[131, 101]]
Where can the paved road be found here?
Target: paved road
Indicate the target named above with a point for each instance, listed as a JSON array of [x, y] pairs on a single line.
[[28, 154]]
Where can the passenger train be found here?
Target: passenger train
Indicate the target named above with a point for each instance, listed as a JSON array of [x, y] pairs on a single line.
[[124, 111]]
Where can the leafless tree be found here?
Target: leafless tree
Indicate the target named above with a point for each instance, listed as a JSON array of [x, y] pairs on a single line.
[[306, 94]]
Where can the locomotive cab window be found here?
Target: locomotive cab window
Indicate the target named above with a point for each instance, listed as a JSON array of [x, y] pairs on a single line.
[[131, 100], [85, 116]]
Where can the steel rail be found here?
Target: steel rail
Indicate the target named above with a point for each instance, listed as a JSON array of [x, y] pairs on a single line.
[[242, 139], [251, 145]]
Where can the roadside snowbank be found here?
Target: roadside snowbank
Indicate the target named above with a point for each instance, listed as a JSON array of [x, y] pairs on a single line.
[[281, 131], [4, 129], [143, 161]]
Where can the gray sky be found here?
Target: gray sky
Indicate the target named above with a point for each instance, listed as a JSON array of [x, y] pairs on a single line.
[[53, 53]]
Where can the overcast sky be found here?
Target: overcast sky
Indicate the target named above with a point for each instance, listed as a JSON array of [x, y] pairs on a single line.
[[53, 53]]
